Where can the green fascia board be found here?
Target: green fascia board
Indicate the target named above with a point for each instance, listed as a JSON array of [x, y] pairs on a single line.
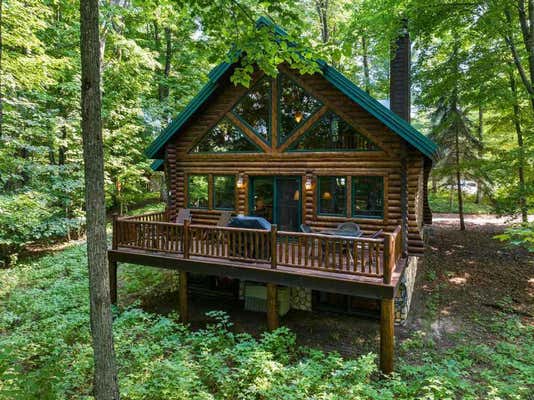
[[157, 165], [336, 78]]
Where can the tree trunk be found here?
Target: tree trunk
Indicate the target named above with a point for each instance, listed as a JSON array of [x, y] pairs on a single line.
[[105, 370], [480, 131], [527, 33], [459, 183], [163, 84], [1, 80], [367, 81], [62, 153], [322, 10], [521, 167]]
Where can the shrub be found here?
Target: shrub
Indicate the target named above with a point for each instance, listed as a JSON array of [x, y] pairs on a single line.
[[30, 217]]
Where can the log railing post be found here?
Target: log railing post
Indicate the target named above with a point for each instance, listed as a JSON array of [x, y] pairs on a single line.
[[387, 337], [186, 238], [388, 257], [274, 233]]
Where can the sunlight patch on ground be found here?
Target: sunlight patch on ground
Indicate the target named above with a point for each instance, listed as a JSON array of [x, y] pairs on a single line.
[[460, 280]]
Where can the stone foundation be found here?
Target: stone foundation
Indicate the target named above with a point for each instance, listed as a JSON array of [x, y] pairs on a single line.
[[301, 299], [403, 299]]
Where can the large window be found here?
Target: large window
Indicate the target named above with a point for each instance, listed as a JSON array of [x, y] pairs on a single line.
[[197, 191], [254, 108], [332, 195], [331, 133], [295, 107], [224, 192], [224, 138], [368, 196]]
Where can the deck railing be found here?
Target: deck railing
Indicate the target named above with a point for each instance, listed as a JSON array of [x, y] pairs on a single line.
[[368, 257]]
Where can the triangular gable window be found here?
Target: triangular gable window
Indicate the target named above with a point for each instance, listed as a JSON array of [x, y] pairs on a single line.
[[225, 138], [255, 109], [331, 133], [295, 107]]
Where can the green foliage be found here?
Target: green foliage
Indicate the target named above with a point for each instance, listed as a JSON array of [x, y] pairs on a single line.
[[447, 202], [520, 235], [30, 217], [45, 351]]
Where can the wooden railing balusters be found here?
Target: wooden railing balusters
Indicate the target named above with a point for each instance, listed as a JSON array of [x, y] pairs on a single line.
[[186, 238], [358, 256]]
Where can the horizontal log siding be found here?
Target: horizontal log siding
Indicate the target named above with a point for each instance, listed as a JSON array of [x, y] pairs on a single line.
[[385, 163]]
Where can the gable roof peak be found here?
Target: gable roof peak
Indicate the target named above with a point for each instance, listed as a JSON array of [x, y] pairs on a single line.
[[395, 123]]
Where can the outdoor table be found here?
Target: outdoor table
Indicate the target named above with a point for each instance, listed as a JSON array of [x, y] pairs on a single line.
[[342, 234]]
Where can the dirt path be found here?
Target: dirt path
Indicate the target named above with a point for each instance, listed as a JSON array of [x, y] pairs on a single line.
[[467, 276]]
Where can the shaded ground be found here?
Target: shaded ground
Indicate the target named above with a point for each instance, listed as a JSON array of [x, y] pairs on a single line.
[[465, 278]]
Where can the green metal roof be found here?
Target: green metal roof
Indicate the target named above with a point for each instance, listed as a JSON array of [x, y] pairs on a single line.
[[157, 165], [336, 78]]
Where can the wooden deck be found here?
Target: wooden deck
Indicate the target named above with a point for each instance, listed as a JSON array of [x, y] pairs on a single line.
[[353, 266], [262, 255]]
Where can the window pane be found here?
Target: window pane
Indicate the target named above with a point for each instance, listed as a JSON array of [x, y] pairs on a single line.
[[296, 106], [368, 198], [332, 195], [224, 192], [224, 138], [263, 190], [254, 108], [331, 133], [197, 191]]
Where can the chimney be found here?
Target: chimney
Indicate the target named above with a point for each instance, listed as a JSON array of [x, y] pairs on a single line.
[[399, 74]]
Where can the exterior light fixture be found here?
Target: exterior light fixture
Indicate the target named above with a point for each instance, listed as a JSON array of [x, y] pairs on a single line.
[[298, 116], [327, 196], [296, 196], [240, 181], [308, 182]]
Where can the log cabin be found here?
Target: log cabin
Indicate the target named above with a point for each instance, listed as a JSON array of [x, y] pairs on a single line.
[[306, 153]]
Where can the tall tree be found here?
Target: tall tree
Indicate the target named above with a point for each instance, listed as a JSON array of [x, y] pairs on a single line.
[[521, 149], [525, 15], [105, 370], [1, 80]]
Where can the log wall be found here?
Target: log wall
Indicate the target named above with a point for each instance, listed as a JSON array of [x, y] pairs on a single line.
[[274, 161]]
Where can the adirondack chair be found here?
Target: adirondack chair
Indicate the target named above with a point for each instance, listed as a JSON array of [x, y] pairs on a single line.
[[184, 214]]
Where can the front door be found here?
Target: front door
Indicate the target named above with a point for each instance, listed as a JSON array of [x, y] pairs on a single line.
[[277, 199]]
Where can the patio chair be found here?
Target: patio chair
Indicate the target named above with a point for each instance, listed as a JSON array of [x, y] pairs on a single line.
[[377, 234], [184, 214], [306, 228], [224, 218]]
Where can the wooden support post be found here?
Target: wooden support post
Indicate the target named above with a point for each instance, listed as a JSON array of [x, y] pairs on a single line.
[[114, 231], [184, 298], [272, 307], [387, 336], [113, 281], [274, 231]]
